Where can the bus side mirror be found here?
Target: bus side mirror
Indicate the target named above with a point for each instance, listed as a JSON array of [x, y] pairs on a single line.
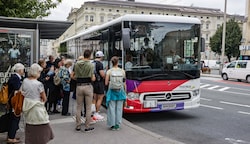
[[126, 38]]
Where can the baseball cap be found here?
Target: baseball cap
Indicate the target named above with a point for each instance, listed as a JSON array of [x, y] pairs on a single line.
[[99, 54]]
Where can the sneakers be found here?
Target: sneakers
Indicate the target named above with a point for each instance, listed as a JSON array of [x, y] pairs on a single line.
[[89, 129], [97, 116], [116, 127]]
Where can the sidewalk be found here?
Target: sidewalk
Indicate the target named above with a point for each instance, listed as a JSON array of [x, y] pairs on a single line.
[[65, 133], [64, 130]]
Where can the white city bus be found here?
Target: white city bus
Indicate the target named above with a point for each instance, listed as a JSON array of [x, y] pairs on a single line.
[[161, 56]]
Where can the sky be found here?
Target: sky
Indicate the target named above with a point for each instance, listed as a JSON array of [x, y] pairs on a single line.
[[233, 6]]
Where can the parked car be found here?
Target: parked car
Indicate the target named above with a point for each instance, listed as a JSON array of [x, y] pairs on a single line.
[[239, 69]]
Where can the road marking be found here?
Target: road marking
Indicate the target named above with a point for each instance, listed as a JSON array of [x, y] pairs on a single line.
[[205, 99], [213, 107], [246, 113], [213, 87], [206, 85], [223, 89], [235, 104]]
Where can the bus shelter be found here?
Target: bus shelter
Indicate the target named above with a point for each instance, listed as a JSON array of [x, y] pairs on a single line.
[[20, 40]]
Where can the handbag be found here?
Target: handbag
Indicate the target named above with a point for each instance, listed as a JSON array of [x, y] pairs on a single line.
[[5, 122], [17, 103]]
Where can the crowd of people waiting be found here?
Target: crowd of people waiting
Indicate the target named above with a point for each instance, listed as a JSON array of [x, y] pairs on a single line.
[[85, 78]]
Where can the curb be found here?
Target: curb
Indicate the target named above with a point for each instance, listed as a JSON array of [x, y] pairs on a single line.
[[157, 136]]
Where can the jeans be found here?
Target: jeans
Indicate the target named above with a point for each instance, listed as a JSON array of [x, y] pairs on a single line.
[[84, 92], [114, 113]]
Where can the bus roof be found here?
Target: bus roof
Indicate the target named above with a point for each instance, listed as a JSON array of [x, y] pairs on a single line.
[[139, 18]]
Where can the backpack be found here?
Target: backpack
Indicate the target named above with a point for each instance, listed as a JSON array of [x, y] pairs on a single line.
[[4, 94], [116, 79], [57, 78], [98, 77]]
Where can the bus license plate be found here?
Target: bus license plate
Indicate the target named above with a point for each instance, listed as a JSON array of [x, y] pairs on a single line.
[[149, 104], [168, 106]]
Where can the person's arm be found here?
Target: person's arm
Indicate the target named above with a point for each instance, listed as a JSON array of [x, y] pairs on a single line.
[[107, 79], [43, 96]]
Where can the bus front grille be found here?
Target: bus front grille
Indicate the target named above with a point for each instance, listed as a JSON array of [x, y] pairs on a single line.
[[169, 96]]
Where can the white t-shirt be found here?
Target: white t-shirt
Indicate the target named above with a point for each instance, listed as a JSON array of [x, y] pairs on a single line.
[[32, 89]]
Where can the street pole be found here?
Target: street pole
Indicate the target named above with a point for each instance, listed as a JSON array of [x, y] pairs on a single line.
[[223, 36]]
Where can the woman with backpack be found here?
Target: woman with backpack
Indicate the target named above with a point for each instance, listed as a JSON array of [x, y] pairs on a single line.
[[116, 95]]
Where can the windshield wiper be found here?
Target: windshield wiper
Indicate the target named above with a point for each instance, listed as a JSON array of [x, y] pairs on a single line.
[[151, 76], [186, 74]]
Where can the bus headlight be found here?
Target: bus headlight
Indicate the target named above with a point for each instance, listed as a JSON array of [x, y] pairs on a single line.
[[132, 95], [196, 92]]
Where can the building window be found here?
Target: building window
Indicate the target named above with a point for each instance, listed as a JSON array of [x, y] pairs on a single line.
[[195, 16], [206, 37], [207, 26], [142, 12], [102, 9], [117, 10], [92, 8], [218, 26], [132, 12], [174, 14], [218, 17], [201, 17], [86, 18], [182, 15], [159, 13], [110, 10], [86, 8], [189, 16], [102, 19], [125, 11], [207, 17], [166, 14], [150, 13], [91, 18]]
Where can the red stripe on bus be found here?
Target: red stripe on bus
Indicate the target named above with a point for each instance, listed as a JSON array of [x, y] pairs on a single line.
[[159, 85]]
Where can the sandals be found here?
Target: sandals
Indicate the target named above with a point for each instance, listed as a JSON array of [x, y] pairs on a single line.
[[13, 141]]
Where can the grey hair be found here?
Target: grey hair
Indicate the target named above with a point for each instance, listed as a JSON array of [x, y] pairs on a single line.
[[35, 70], [17, 67]]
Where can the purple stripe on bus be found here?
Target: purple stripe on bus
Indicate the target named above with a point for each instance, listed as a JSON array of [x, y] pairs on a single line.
[[132, 84]]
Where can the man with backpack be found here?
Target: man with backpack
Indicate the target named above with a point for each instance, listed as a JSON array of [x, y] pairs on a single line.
[[98, 84]]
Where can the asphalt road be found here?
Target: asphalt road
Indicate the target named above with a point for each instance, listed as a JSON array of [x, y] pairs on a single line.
[[223, 117]]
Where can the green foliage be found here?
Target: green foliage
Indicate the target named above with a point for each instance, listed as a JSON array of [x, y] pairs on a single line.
[[232, 41], [27, 8], [62, 49]]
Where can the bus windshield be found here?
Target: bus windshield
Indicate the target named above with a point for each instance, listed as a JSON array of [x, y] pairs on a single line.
[[163, 51]]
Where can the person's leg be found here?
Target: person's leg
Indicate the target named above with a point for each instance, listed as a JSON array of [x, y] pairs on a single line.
[[14, 126], [111, 113], [79, 104], [88, 94], [99, 102], [65, 102], [118, 111]]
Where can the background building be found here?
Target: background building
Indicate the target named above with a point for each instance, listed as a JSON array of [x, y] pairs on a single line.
[[99, 12], [245, 47]]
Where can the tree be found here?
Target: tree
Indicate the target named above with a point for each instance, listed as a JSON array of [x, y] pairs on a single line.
[[27, 8], [232, 41]]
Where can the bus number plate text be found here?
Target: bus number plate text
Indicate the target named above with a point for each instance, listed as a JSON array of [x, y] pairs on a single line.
[[168, 106]]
